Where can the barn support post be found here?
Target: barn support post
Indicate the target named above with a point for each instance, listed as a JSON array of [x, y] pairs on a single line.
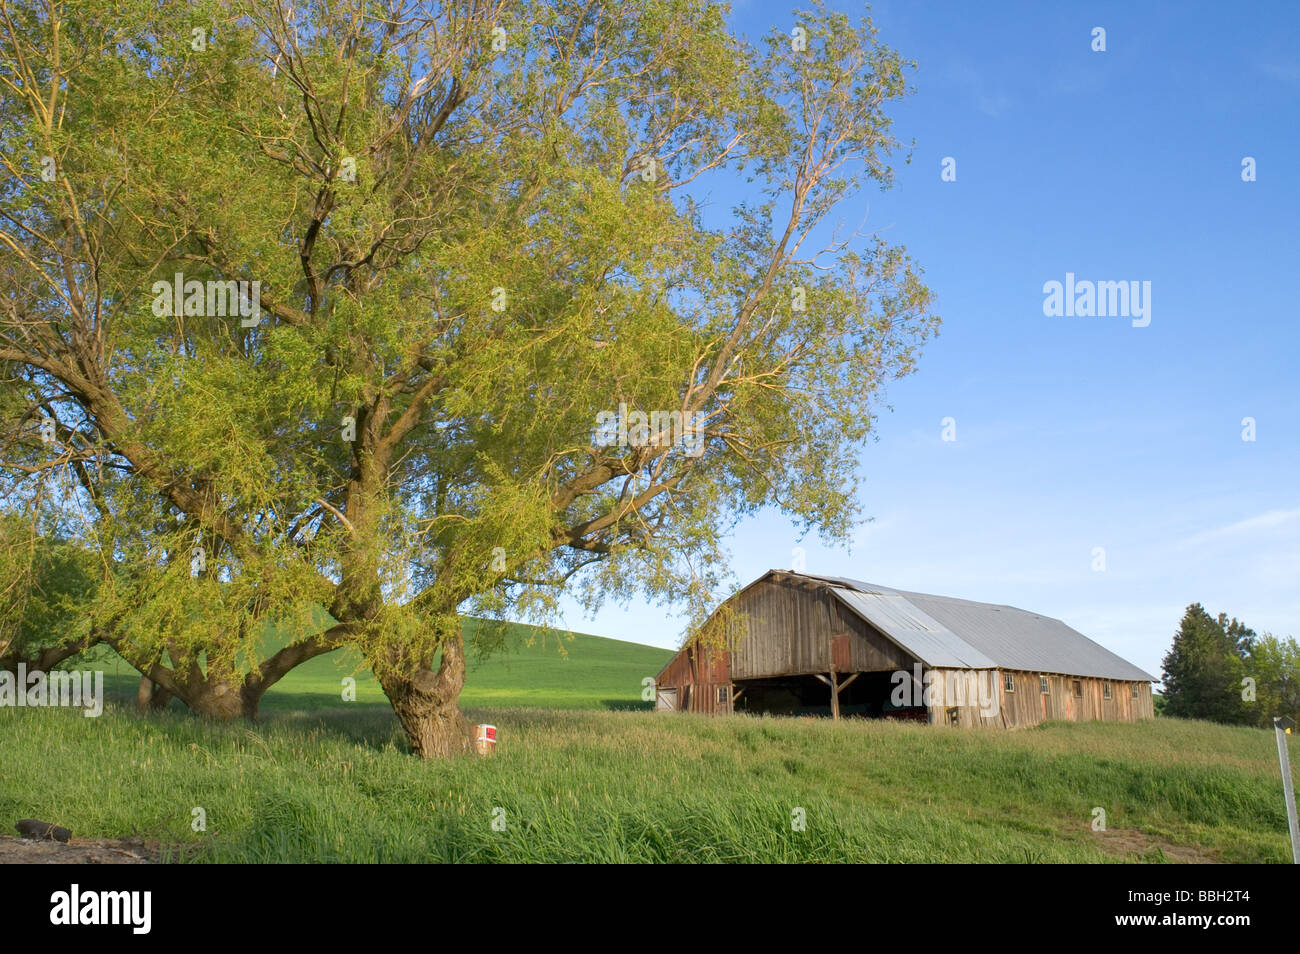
[[837, 687], [840, 688], [835, 693]]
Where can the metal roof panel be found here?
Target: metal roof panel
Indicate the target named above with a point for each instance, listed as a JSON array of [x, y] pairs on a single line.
[[946, 632], [916, 631]]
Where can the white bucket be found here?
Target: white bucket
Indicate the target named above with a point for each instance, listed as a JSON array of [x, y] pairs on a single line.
[[485, 739]]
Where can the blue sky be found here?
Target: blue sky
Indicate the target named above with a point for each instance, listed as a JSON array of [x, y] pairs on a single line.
[[1076, 433]]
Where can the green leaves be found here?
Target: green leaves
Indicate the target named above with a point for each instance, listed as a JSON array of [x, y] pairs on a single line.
[[44, 579], [465, 255], [1211, 671]]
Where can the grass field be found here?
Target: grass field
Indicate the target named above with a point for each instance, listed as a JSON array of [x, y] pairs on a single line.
[[539, 668], [318, 781]]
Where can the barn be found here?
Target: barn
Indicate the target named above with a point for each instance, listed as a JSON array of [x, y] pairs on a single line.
[[798, 644]]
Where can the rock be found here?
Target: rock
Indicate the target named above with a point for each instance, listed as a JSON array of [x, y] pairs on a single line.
[[42, 831]]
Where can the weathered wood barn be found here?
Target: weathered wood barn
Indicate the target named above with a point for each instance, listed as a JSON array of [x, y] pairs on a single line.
[[798, 644]]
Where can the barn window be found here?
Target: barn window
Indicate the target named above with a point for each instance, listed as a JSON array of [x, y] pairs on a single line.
[[1078, 688], [1105, 690], [1042, 685], [1008, 682], [724, 696], [1135, 690]]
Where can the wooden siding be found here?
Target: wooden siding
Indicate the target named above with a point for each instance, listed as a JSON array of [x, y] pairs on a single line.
[[1028, 705], [788, 625], [697, 676], [785, 627]]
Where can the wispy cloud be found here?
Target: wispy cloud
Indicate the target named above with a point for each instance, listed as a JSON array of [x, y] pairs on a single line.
[[1286, 72], [1271, 520]]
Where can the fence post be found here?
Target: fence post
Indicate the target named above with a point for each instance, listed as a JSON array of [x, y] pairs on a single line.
[[1282, 725]]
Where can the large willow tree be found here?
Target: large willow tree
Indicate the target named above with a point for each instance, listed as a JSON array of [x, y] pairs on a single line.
[[474, 228]]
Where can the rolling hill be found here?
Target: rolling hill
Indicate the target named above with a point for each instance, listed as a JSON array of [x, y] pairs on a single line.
[[549, 669]]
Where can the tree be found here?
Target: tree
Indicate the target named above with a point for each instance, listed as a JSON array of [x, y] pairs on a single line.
[[1273, 662], [107, 409], [1204, 668], [43, 580], [504, 350]]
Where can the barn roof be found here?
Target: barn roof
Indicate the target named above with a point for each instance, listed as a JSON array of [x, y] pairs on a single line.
[[949, 633]]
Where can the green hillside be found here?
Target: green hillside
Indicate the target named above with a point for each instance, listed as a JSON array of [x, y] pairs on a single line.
[[339, 786], [539, 668], [321, 780]]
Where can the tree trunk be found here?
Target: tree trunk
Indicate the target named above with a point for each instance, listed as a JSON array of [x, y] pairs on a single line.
[[206, 696], [211, 698], [151, 697], [426, 704], [272, 670], [222, 698], [215, 699]]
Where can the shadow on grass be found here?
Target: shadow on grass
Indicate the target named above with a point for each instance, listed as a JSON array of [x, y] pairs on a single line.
[[363, 723], [627, 705], [368, 723]]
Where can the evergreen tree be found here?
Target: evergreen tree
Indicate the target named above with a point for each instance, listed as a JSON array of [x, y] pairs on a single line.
[[1203, 670]]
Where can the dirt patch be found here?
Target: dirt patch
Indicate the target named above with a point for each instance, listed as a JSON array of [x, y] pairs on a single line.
[[78, 851], [1131, 842]]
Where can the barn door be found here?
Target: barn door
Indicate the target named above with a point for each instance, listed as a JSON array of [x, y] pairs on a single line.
[[841, 660], [665, 700]]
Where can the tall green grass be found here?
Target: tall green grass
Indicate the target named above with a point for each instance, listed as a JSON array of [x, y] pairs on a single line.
[[338, 786]]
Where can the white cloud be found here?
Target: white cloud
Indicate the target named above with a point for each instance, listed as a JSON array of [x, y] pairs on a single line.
[[1251, 526]]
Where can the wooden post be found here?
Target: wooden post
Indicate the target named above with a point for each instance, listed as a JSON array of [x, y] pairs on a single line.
[[836, 688], [1281, 726]]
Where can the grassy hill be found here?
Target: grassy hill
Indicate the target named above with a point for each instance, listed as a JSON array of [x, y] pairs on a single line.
[[538, 668], [320, 780], [337, 786]]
